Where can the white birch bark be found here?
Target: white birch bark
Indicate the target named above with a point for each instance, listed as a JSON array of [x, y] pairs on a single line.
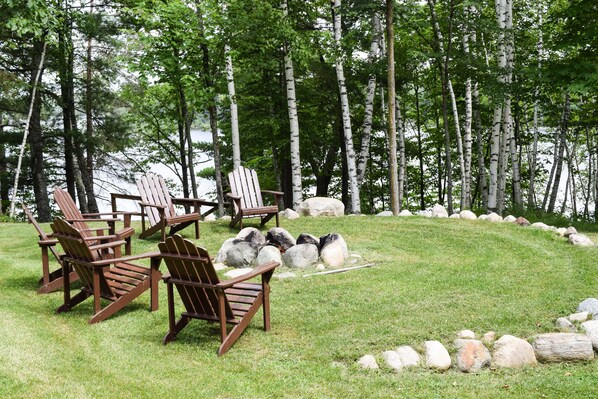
[[402, 161], [369, 101], [346, 116], [293, 122], [459, 142], [234, 115], [531, 193], [467, 127]]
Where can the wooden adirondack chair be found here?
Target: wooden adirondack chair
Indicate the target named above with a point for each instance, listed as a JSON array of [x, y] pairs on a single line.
[[73, 215], [115, 279], [247, 198], [50, 281], [158, 205], [205, 297]]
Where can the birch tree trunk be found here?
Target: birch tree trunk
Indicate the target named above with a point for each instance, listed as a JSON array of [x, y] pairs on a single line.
[[234, 114], [470, 12], [369, 101], [459, 143], [402, 161], [559, 158], [348, 135], [531, 193], [293, 121]]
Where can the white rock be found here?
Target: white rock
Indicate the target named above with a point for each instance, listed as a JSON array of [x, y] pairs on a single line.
[[409, 357], [540, 225], [466, 334], [426, 213], [565, 325], [385, 213], [267, 254], [489, 337], [468, 215], [591, 329], [581, 240], [301, 256], [237, 272], [561, 231], [510, 351], [367, 362], [494, 217], [562, 347], [285, 275], [210, 218], [509, 219], [405, 212], [483, 217], [455, 216], [320, 267], [570, 230], [439, 211], [252, 234], [437, 357], [225, 218], [220, 266], [289, 214], [579, 317], [393, 360], [355, 258], [321, 206], [589, 305], [332, 255]]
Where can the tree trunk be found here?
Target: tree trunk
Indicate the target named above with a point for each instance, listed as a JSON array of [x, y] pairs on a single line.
[[89, 139], [467, 127], [342, 87], [559, 159], [234, 114], [420, 152], [293, 121], [402, 175], [459, 144], [531, 193]]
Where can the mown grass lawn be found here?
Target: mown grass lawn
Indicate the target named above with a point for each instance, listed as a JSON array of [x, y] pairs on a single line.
[[433, 277]]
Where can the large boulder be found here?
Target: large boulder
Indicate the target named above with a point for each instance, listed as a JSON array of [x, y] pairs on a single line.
[[589, 305], [439, 211], [305, 238], [267, 254], [437, 357], [409, 357], [509, 219], [281, 238], [288, 214], [253, 235], [242, 254], [472, 355], [510, 351], [468, 215], [321, 206], [581, 240], [332, 254], [331, 238], [226, 245], [300, 256], [385, 213], [521, 221], [494, 217], [591, 329], [563, 347]]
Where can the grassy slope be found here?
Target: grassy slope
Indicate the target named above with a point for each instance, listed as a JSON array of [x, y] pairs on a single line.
[[432, 278]]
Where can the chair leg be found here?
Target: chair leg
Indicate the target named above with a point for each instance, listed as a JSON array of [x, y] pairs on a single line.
[[119, 303], [171, 335], [78, 298], [237, 330], [266, 305], [197, 229]]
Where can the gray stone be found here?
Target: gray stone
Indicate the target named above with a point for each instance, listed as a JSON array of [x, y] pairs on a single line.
[[305, 238], [581, 240], [267, 254], [425, 213], [510, 351], [280, 238], [483, 217], [300, 256], [579, 317], [439, 211], [226, 245], [393, 360], [591, 329], [565, 325], [589, 305], [509, 219], [285, 275], [468, 215], [385, 213], [562, 347], [330, 238], [489, 337], [210, 218], [561, 231], [321, 206], [437, 357], [521, 221], [405, 212], [368, 362], [494, 217], [237, 272], [540, 225], [409, 357], [570, 230], [242, 254], [289, 214], [253, 235], [225, 218], [472, 355], [466, 334], [455, 216]]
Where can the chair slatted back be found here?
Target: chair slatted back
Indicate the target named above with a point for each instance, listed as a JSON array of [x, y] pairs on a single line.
[[190, 263], [152, 189], [40, 232], [244, 183], [70, 211], [77, 248]]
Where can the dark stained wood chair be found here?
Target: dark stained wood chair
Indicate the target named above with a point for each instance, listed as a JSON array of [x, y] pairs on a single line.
[[73, 215], [50, 281], [158, 205], [205, 297], [246, 198], [116, 278]]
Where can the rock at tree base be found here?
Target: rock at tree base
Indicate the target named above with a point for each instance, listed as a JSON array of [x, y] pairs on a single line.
[[405, 212], [385, 213], [562, 347], [494, 217], [468, 215], [439, 211], [509, 219]]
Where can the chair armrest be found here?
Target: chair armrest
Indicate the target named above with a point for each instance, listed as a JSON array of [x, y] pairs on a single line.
[[235, 197], [272, 192], [106, 262], [125, 232], [152, 205], [187, 201], [266, 267], [47, 243], [93, 220]]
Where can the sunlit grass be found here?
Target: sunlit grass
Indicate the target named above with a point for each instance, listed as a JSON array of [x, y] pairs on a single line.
[[431, 278]]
